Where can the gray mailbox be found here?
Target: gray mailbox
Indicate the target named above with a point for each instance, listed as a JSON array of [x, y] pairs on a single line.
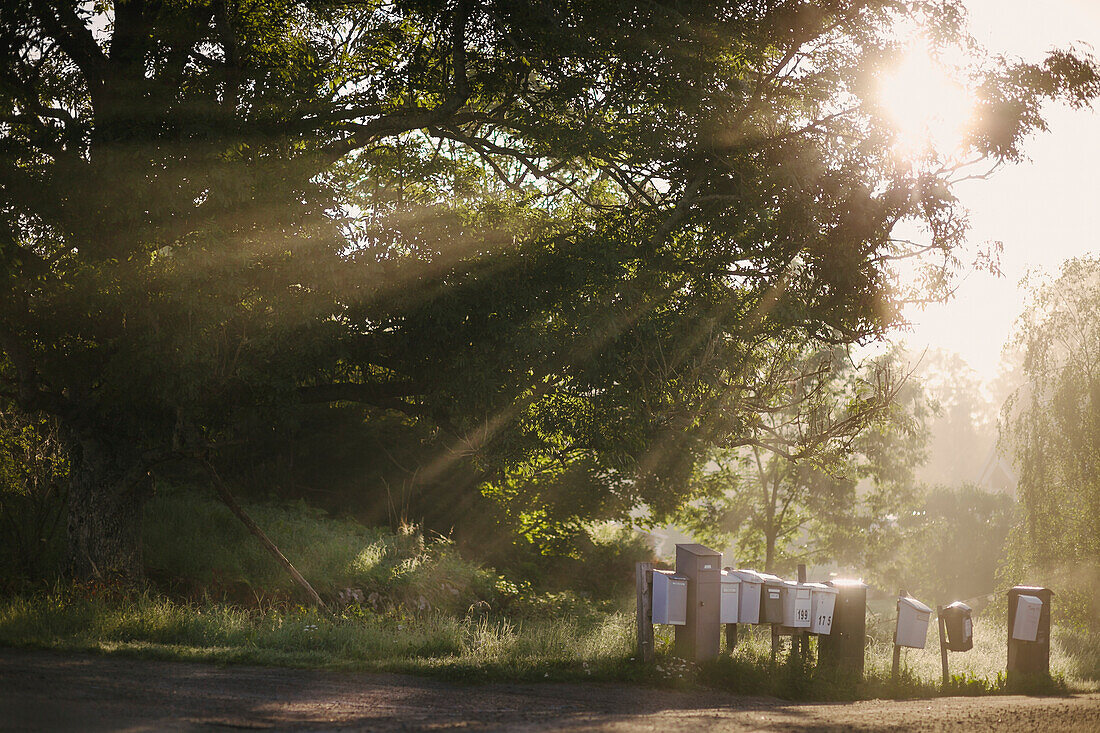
[[796, 604], [751, 582], [771, 599], [731, 598], [699, 639], [669, 598]]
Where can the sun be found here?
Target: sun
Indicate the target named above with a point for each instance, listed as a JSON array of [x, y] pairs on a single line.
[[930, 109]]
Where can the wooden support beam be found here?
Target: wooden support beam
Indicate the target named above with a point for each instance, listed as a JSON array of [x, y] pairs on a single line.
[[643, 586]]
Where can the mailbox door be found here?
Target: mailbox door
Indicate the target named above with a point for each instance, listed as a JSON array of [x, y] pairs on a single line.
[[771, 602], [731, 597], [912, 629], [669, 599], [749, 613], [821, 611], [802, 607], [1028, 611]]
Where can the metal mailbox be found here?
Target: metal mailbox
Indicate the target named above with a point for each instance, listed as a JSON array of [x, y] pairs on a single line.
[[669, 598], [960, 626], [844, 647], [699, 639], [751, 583], [771, 599], [1025, 626], [912, 628], [796, 604], [729, 612], [822, 603]]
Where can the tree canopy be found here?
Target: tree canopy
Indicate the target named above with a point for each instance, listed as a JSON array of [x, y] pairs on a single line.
[[562, 238]]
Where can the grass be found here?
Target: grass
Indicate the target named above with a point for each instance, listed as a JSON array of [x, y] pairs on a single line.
[[559, 642], [407, 603], [195, 548], [551, 646]]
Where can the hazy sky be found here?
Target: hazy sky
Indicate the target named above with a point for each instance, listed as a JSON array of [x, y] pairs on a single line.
[[1044, 211]]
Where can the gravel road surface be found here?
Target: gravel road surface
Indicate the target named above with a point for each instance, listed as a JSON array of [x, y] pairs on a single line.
[[49, 691]]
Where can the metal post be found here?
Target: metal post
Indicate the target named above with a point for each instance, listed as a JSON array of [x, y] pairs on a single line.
[[643, 585], [943, 643]]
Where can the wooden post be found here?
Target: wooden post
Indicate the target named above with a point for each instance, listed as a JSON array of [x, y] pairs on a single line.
[[943, 643], [643, 585], [731, 636], [775, 641]]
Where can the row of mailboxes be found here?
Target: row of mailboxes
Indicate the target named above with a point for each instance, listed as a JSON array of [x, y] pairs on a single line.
[[749, 597], [701, 596]]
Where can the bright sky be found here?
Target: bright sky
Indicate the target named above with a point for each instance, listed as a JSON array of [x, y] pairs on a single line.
[[1044, 211]]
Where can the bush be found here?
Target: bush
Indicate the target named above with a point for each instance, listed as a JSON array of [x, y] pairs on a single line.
[[33, 472]]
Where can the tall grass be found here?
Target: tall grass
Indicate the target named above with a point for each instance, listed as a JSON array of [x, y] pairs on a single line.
[[194, 547], [558, 641], [560, 646]]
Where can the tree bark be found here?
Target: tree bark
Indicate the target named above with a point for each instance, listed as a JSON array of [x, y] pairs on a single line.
[[105, 504]]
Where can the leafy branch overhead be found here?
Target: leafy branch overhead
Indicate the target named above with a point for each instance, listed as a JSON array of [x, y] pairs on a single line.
[[564, 241]]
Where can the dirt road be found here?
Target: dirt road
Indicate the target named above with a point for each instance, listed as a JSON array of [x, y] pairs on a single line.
[[46, 690]]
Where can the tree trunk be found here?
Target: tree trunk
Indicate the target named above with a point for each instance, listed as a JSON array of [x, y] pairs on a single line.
[[769, 550], [104, 513]]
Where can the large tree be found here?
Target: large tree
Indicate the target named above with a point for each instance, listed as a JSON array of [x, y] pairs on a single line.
[[561, 235]]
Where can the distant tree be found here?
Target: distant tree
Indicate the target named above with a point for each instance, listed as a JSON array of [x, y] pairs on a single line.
[[564, 238], [964, 425], [954, 545], [1053, 422], [829, 469]]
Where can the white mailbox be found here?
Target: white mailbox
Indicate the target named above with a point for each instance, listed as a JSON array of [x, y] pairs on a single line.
[[822, 603], [729, 612], [796, 604], [912, 628], [670, 593], [1026, 625], [750, 596]]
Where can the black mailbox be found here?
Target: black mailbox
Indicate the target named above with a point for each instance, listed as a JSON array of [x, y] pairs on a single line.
[[960, 626], [843, 647], [771, 599], [699, 639]]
